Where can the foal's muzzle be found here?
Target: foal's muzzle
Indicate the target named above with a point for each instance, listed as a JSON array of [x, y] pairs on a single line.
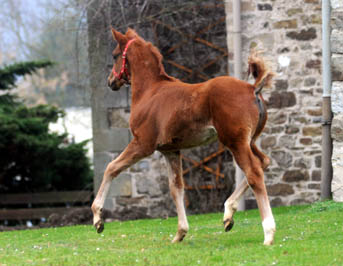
[[115, 84]]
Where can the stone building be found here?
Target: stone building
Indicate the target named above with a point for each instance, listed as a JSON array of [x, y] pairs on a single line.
[[290, 34]]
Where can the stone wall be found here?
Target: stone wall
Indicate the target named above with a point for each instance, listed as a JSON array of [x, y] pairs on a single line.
[[337, 97], [290, 34]]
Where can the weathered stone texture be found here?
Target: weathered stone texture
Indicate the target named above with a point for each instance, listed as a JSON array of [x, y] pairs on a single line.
[[280, 190], [292, 135], [281, 100], [303, 35], [286, 24], [337, 128], [336, 41], [295, 176], [337, 98]]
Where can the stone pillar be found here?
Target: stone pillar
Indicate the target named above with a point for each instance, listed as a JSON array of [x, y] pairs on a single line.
[[110, 130], [337, 98]]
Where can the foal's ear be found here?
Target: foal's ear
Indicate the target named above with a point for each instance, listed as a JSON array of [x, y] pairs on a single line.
[[117, 36], [131, 34]]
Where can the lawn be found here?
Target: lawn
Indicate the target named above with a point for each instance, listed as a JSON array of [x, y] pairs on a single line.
[[306, 235]]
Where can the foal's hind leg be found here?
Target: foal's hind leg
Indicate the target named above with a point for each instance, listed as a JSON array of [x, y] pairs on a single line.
[[231, 204], [176, 186], [263, 158], [252, 167], [132, 154]]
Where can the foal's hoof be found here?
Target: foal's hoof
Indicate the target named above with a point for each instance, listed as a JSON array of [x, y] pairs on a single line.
[[180, 235], [99, 226], [228, 224]]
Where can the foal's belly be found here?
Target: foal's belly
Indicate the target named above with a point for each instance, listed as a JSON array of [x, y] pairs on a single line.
[[204, 136]]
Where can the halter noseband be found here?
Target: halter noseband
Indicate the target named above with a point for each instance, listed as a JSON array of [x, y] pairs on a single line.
[[123, 66]]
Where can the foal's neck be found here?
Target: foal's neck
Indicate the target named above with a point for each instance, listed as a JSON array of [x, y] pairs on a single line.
[[144, 77]]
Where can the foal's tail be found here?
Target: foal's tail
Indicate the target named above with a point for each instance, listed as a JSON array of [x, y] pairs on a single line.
[[260, 70]]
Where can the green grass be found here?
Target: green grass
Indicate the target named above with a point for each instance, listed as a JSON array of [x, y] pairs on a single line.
[[306, 235]]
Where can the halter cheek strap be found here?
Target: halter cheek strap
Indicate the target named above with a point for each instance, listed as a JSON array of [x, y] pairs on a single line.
[[123, 66]]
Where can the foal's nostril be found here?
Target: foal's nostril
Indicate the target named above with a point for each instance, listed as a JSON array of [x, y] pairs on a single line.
[[109, 83]]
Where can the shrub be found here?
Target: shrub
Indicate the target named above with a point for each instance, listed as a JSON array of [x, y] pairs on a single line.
[[31, 158]]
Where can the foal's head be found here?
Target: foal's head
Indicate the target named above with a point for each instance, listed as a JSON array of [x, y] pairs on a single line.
[[132, 47], [120, 73]]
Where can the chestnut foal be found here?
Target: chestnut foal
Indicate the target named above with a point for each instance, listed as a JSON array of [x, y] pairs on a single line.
[[168, 115]]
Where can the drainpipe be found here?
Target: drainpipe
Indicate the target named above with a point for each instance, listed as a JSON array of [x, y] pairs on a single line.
[[326, 175], [237, 60]]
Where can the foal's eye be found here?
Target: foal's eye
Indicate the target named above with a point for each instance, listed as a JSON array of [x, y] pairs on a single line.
[[115, 56]]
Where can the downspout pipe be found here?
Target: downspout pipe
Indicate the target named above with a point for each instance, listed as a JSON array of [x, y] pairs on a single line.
[[326, 174], [237, 59]]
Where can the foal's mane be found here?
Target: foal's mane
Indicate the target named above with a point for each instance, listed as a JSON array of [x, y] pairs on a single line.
[[132, 34], [158, 56]]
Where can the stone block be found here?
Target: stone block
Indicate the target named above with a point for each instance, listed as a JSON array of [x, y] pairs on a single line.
[[316, 175], [310, 82], [286, 24], [337, 67], [281, 84], [292, 129], [101, 160], [295, 175], [315, 186], [119, 99], [312, 131], [283, 159], [268, 142], [146, 185], [306, 141], [117, 118], [337, 128], [278, 118], [336, 41], [277, 129], [337, 97], [141, 166], [281, 100], [114, 140], [293, 11], [287, 141], [337, 167], [121, 186], [303, 35], [315, 112], [264, 7], [314, 64], [337, 19], [318, 161], [302, 163], [280, 190], [316, 19]]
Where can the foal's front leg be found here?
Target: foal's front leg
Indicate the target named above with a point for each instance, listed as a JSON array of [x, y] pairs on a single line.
[[176, 186], [132, 154]]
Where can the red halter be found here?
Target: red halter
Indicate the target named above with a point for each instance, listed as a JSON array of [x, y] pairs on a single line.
[[123, 66]]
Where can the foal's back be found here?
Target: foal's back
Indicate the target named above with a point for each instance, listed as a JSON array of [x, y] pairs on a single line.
[[177, 112]]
